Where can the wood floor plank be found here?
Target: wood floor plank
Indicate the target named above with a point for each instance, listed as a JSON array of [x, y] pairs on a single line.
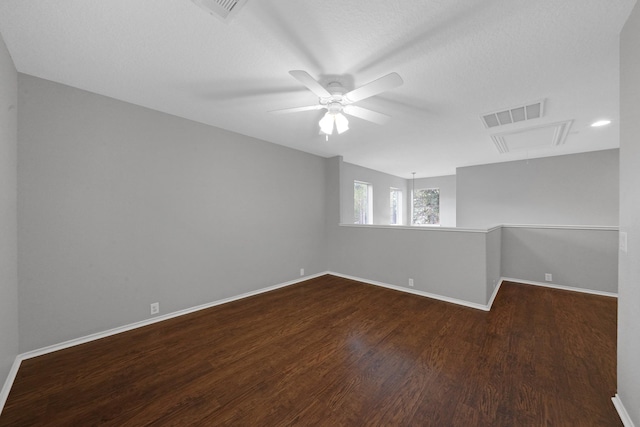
[[331, 351]]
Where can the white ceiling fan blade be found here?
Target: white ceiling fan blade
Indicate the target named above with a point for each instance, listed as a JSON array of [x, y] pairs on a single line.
[[315, 87], [297, 109], [366, 114], [375, 87]]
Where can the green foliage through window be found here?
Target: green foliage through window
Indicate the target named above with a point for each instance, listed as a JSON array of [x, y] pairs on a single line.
[[426, 206], [395, 202], [362, 203]]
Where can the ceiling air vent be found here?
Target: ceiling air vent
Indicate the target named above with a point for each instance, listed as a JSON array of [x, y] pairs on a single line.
[[521, 113], [222, 9]]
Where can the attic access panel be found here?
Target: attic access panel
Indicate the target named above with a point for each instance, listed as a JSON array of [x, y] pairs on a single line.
[[531, 138]]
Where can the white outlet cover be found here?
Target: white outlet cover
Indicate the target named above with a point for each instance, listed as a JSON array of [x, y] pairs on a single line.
[[623, 241], [548, 277], [155, 308], [410, 282]]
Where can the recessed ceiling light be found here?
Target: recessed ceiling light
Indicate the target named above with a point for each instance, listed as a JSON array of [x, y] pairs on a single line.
[[600, 123]]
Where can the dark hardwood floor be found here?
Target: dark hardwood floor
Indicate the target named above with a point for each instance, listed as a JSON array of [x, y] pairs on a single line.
[[335, 352]]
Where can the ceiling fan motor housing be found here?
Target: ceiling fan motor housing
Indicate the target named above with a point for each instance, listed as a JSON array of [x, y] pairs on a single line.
[[337, 100], [337, 91], [334, 107]]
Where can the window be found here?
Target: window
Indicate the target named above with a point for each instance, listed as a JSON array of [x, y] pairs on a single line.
[[396, 206], [426, 207], [362, 203]]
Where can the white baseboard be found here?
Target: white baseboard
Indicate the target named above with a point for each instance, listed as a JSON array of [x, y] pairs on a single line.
[[6, 388], [561, 287], [114, 331], [125, 328], [622, 412], [493, 295], [415, 292], [4, 393]]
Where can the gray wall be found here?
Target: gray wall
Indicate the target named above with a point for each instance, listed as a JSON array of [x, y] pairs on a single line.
[[447, 186], [8, 211], [381, 182], [446, 263], [467, 265], [576, 189], [629, 284], [494, 260], [121, 206], [443, 262], [580, 257]]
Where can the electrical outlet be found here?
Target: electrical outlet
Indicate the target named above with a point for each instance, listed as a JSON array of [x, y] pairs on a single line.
[[302, 272], [155, 308], [411, 282], [548, 277], [623, 242]]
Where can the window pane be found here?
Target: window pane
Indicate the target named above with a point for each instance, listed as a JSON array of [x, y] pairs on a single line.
[[395, 202], [426, 206], [362, 203]]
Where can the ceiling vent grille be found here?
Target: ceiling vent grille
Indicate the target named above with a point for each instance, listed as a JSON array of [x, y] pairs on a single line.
[[222, 9], [517, 114]]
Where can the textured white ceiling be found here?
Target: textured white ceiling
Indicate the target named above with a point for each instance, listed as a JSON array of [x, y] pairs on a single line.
[[458, 59]]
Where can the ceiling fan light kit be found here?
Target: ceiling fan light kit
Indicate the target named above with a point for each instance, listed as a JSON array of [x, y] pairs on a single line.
[[326, 124], [333, 115], [336, 100], [342, 124], [328, 120]]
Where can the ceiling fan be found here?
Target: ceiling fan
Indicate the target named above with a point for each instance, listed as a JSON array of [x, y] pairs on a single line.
[[336, 100]]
